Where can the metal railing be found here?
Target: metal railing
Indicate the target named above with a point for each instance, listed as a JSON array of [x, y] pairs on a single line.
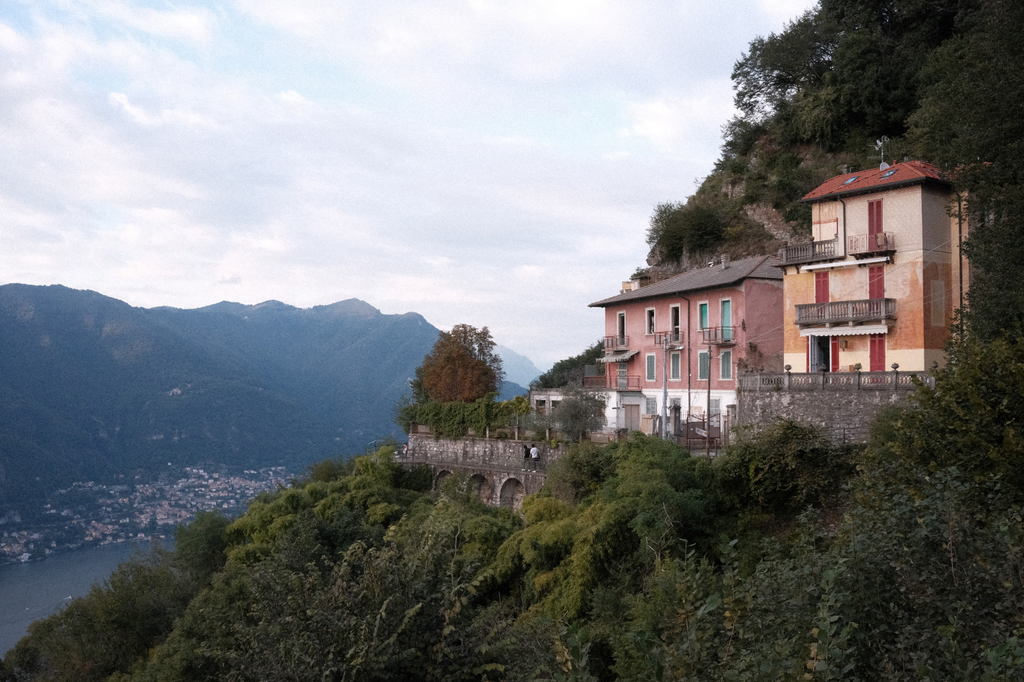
[[613, 382], [846, 312], [809, 252], [719, 336], [612, 343]]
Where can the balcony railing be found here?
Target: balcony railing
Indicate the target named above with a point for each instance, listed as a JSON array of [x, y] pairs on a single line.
[[671, 338], [840, 381], [613, 343], [613, 382], [810, 252], [861, 244], [719, 336], [846, 312]]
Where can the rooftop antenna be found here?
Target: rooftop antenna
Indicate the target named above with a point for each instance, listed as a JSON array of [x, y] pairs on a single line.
[[880, 146]]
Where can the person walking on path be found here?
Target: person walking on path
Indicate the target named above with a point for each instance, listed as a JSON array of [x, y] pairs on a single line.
[[534, 456], [526, 455]]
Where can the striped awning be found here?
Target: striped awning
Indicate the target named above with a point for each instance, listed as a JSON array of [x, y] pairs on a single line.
[[621, 356], [846, 331]]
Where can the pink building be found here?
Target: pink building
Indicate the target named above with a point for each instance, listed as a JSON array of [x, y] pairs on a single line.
[[673, 348]]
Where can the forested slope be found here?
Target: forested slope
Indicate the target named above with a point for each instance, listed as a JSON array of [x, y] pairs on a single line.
[[786, 558]]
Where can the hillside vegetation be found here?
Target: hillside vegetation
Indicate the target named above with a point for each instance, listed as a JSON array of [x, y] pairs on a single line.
[[786, 558]]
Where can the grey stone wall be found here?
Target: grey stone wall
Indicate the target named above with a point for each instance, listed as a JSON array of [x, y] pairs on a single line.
[[845, 415], [501, 453], [497, 469]]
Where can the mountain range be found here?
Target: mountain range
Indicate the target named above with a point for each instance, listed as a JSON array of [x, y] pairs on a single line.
[[92, 388]]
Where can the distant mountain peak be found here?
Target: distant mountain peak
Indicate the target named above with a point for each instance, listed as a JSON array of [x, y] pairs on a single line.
[[350, 307]]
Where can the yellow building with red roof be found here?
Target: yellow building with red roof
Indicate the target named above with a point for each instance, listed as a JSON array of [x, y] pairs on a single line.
[[880, 281]]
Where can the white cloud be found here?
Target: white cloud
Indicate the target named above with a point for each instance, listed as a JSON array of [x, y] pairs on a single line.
[[474, 161]]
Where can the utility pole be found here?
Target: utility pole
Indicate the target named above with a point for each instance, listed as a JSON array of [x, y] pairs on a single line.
[[707, 434], [666, 347]]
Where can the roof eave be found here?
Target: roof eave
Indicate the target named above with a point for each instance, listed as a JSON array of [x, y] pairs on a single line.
[[926, 180]]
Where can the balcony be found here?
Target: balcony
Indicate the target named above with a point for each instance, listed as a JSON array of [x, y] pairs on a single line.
[[719, 336], [613, 382], [845, 312], [672, 338], [869, 244], [793, 254], [614, 343]]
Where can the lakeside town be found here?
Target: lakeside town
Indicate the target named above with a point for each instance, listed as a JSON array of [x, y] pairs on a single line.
[[90, 513]]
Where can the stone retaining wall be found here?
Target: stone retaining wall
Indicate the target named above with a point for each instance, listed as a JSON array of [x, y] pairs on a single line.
[[845, 415], [498, 472]]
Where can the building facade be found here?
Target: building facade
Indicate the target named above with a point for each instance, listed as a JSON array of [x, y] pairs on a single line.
[[673, 348], [880, 281]]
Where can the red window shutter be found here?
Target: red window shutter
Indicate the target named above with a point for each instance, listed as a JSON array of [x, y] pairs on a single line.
[[876, 281], [874, 217], [834, 348], [821, 286], [877, 352]]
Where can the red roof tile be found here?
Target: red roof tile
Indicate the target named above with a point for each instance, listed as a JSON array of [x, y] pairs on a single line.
[[877, 180]]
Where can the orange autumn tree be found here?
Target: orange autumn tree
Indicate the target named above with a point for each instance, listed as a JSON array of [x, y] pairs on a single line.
[[461, 367]]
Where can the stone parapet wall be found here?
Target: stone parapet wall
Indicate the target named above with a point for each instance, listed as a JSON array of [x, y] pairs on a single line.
[[845, 415], [496, 468], [495, 453]]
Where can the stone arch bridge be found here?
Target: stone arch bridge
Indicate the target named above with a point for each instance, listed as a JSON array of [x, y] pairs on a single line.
[[497, 468]]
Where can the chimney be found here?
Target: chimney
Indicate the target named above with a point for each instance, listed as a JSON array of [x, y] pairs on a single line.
[[725, 261]]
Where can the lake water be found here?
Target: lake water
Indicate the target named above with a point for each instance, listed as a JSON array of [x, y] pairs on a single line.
[[36, 589]]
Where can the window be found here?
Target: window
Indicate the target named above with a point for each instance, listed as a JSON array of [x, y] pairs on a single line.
[[650, 321], [702, 316], [621, 329], [725, 359], [652, 406], [651, 372], [675, 366], [727, 320], [674, 323], [938, 303], [703, 365]]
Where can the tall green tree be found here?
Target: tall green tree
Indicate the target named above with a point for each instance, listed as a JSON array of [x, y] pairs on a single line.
[[692, 229], [570, 371], [970, 123]]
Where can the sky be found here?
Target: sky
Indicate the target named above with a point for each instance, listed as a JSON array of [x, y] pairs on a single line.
[[474, 161]]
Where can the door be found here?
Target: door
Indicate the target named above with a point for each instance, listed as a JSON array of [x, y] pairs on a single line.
[[632, 417], [876, 281], [727, 321], [875, 223], [876, 350], [819, 352], [821, 286]]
